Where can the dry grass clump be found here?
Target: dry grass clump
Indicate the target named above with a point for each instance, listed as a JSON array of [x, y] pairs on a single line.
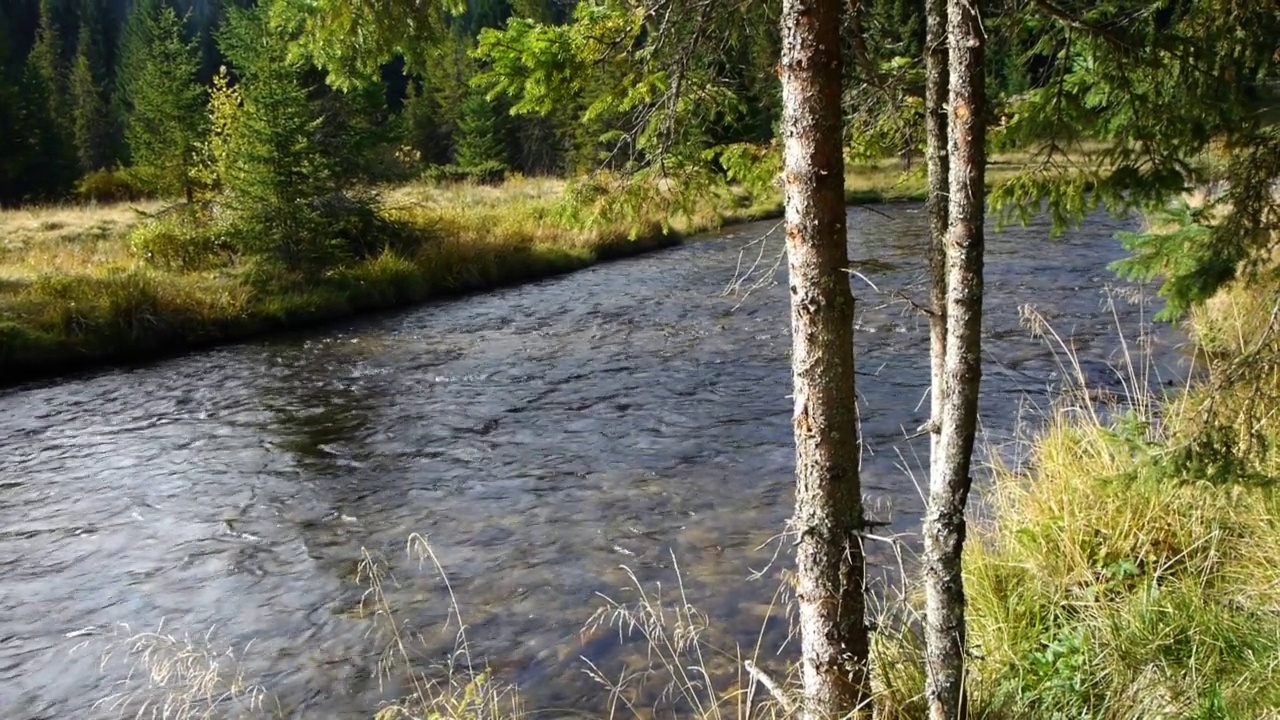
[[173, 677], [685, 671], [59, 232], [456, 689]]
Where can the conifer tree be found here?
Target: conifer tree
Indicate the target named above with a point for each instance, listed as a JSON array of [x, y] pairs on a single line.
[[91, 120], [420, 124], [355, 128], [274, 171], [132, 47], [43, 111], [12, 143], [478, 141], [167, 121]]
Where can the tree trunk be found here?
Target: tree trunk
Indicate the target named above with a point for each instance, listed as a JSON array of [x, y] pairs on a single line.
[[949, 478], [828, 511], [935, 126]]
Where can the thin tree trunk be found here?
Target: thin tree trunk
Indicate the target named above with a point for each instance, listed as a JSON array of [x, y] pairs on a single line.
[[828, 511], [935, 125], [949, 478]]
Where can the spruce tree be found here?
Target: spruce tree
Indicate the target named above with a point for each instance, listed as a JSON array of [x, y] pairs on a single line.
[[420, 126], [478, 142], [276, 177], [167, 121], [42, 113], [132, 48], [356, 129], [12, 143], [91, 119]]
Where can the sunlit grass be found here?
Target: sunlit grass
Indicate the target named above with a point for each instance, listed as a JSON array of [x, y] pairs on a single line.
[[1127, 569], [168, 676], [66, 237], [92, 283]]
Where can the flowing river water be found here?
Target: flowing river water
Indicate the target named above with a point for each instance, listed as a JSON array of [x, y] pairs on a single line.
[[544, 439]]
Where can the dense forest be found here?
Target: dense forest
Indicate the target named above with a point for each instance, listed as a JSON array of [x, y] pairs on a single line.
[[92, 86]]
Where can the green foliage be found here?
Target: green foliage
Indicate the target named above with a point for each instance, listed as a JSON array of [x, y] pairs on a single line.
[[647, 105], [421, 125], [109, 186], [1160, 90], [166, 122], [13, 148], [750, 166], [92, 123], [356, 131], [1195, 251], [277, 179], [42, 114], [478, 138], [353, 40], [181, 239], [135, 36], [884, 103], [1179, 253], [447, 121]]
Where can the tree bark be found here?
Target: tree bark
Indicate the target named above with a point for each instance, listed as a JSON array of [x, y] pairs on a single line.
[[935, 126], [949, 476], [828, 511]]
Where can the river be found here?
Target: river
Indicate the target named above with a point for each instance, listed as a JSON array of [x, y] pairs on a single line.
[[542, 437]]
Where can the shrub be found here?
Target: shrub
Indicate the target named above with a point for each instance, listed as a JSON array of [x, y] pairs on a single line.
[[181, 240], [107, 186], [386, 279]]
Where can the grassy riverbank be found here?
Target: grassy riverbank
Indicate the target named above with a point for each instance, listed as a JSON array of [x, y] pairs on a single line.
[[77, 288], [82, 286], [1129, 569], [89, 285]]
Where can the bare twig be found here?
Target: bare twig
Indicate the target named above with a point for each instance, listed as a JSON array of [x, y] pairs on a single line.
[[763, 678]]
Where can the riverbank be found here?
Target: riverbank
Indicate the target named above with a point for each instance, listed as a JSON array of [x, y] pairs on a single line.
[[79, 287], [78, 290], [1127, 569]]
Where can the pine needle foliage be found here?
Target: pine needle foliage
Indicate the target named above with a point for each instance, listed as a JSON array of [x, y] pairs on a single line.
[[276, 178], [167, 121]]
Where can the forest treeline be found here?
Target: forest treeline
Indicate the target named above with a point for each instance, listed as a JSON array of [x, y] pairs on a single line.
[[90, 87]]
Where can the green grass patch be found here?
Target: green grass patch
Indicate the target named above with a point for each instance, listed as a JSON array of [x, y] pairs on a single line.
[[1128, 570]]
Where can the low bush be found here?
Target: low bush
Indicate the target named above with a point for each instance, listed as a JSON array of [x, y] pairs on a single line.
[[181, 239], [385, 280], [119, 306], [110, 186]]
